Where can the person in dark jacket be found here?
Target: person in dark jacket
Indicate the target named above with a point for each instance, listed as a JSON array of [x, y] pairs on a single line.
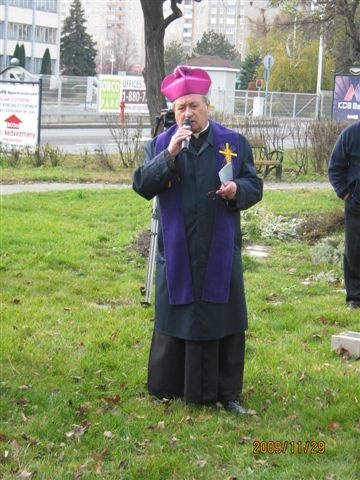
[[344, 176], [198, 343]]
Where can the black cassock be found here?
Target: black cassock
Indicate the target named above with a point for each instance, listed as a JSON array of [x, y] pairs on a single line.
[[197, 350]]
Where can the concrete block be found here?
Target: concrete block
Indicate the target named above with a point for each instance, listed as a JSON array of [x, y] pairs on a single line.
[[347, 342]]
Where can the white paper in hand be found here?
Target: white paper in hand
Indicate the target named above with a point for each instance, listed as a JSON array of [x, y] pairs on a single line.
[[226, 173]]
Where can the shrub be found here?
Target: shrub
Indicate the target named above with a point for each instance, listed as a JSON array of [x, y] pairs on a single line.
[[11, 158], [128, 140], [329, 250], [258, 223], [47, 155], [103, 159], [316, 226], [322, 135]]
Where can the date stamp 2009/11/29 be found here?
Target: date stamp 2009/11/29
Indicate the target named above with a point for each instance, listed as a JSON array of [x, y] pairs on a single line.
[[312, 447]]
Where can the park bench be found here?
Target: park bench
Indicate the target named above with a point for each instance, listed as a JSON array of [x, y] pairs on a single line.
[[266, 159]]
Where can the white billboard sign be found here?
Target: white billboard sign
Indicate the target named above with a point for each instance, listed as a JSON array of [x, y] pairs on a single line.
[[20, 111], [113, 89]]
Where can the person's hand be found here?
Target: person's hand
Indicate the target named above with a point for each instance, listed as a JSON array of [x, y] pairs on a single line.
[[176, 140], [227, 191]]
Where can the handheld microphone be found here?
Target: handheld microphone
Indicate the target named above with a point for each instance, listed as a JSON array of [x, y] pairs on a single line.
[[186, 141]]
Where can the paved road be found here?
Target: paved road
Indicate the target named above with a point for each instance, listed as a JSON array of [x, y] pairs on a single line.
[[77, 140], [46, 187]]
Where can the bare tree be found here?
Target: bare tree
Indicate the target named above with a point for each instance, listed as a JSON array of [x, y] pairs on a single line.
[[339, 20], [154, 27], [124, 51]]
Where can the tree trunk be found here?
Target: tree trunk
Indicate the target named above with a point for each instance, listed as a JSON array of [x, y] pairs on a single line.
[[154, 26], [154, 56]]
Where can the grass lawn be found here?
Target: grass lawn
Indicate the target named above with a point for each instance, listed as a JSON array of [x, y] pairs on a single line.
[[75, 342], [89, 167]]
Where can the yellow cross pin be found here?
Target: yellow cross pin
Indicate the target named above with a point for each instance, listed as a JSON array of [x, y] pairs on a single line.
[[228, 153]]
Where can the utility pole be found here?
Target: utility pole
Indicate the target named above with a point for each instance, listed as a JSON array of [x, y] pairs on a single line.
[[319, 74]]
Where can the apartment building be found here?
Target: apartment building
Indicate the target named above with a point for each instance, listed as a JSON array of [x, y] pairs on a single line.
[[117, 27], [33, 23], [235, 19], [123, 42]]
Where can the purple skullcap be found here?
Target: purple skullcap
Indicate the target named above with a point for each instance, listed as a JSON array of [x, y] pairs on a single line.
[[185, 80]]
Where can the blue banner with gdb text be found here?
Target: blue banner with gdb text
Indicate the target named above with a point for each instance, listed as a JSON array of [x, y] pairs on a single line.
[[346, 97]]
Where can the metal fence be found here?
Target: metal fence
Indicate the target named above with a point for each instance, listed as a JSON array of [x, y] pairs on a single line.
[[74, 99], [283, 104]]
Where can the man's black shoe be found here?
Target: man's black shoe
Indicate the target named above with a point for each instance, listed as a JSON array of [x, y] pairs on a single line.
[[353, 304], [234, 407]]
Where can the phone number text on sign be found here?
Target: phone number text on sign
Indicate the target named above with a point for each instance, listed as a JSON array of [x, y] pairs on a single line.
[[134, 96]]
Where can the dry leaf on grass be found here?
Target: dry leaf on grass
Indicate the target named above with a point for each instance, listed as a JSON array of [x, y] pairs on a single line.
[[334, 425], [23, 417], [24, 475], [78, 430], [174, 441], [188, 420], [112, 399], [245, 439]]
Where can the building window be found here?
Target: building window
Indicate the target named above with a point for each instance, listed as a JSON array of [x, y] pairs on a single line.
[[21, 3], [45, 35], [19, 31], [46, 5]]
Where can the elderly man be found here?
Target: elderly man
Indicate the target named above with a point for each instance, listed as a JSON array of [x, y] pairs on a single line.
[[198, 344], [344, 175]]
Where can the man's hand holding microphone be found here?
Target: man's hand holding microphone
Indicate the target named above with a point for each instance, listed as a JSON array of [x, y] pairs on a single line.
[[181, 139]]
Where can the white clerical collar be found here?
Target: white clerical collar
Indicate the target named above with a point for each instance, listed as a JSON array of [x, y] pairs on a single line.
[[196, 135]]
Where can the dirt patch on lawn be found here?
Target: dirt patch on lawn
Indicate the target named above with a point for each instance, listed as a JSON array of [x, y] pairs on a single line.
[[315, 226], [141, 244]]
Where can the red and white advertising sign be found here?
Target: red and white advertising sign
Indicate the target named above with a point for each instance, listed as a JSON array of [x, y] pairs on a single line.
[[19, 114]]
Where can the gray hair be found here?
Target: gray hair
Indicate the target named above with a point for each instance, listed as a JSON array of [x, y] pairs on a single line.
[[204, 97]]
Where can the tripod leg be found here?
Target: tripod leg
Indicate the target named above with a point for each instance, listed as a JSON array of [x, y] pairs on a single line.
[[146, 291]]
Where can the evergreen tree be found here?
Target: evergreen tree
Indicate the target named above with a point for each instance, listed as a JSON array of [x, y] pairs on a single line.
[[46, 63], [212, 43], [22, 55], [77, 49], [175, 54], [16, 53], [248, 70]]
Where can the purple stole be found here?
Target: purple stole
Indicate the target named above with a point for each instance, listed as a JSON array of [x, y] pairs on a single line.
[[216, 286]]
